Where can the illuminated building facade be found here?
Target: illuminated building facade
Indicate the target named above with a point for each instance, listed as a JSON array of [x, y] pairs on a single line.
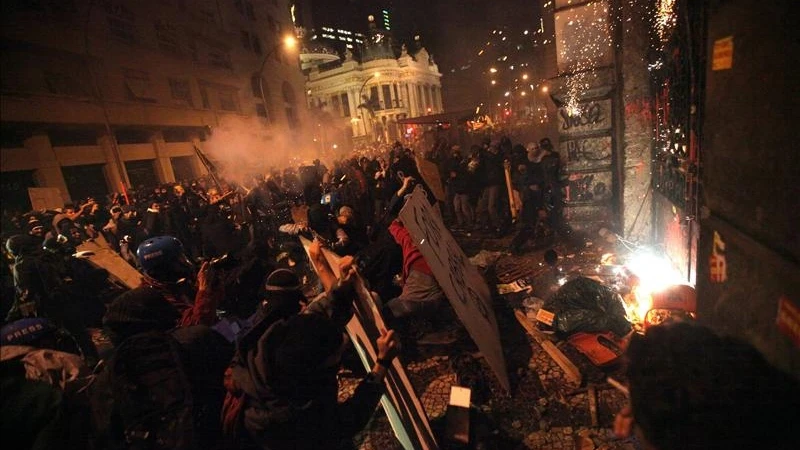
[[369, 95], [97, 95]]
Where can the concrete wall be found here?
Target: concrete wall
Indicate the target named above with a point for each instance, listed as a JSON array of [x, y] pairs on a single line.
[[637, 125], [749, 172]]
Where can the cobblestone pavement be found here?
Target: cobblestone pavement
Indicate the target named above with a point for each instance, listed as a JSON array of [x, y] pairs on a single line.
[[544, 410]]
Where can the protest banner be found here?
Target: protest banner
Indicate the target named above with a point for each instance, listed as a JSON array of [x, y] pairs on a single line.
[[461, 282], [401, 404]]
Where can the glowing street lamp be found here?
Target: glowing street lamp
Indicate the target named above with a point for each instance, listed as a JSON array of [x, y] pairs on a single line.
[[362, 99], [493, 70], [363, 85]]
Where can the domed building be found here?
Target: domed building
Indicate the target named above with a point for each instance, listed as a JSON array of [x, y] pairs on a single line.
[[367, 96]]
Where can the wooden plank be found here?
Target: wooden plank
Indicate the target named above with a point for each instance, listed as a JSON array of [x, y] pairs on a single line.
[[461, 282], [592, 393], [570, 369], [103, 256], [402, 406], [430, 173]]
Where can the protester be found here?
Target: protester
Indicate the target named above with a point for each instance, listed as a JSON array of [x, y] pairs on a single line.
[[692, 389], [283, 388]]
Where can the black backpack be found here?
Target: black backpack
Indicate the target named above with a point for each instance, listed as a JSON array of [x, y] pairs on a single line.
[[152, 394]]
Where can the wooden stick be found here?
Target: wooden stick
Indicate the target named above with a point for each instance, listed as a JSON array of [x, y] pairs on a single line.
[[592, 393], [555, 354]]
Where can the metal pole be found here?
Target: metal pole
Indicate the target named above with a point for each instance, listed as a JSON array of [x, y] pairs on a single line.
[[126, 183], [261, 79]]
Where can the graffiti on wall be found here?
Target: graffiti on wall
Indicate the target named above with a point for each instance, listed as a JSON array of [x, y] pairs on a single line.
[[588, 187], [593, 116], [587, 153]]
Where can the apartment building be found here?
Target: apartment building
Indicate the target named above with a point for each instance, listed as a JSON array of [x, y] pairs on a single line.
[[97, 95]]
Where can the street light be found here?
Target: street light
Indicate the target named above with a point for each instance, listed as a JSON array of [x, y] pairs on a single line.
[[289, 42], [363, 100], [364, 84]]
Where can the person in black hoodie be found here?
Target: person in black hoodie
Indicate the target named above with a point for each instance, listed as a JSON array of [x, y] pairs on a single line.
[[283, 388]]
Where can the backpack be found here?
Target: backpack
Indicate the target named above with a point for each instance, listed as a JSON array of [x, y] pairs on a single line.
[[152, 394]]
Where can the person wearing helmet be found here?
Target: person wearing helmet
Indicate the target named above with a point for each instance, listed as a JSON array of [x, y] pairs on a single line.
[[167, 268], [41, 290]]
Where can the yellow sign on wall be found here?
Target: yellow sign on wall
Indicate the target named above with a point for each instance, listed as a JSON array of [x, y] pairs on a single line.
[[722, 58]]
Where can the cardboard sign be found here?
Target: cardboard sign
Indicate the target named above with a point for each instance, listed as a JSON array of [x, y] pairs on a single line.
[[401, 404], [45, 198], [104, 257], [722, 58], [788, 320], [461, 282], [430, 173]]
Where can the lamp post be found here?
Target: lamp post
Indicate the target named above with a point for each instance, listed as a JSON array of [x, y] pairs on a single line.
[[288, 42], [363, 101]]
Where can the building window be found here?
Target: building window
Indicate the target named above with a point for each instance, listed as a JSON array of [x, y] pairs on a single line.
[[290, 105], [85, 181], [176, 134], [219, 58], [167, 35], [251, 12], [263, 110], [183, 168], [181, 91], [141, 173], [193, 50], [345, 105], [65, 137], [132, 136], [255, 85], [137, 86], [335, 105], [204, 97], [426, 91], [64, 84], [374, 100], [387, 96], [227, 101], [397, 102], [256, 44], [246, 42], [121, 23]]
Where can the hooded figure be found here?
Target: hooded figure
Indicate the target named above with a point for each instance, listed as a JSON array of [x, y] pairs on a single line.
[[283, 388]]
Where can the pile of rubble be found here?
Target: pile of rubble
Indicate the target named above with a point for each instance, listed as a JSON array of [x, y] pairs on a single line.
[[559, 398]]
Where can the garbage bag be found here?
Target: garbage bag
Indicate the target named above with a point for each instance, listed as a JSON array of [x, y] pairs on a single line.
[[583, 304]]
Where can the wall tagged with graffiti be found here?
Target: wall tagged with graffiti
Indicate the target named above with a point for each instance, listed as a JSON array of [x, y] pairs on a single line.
[[589, 213], [588, 187], [587, 153], [594, 116]]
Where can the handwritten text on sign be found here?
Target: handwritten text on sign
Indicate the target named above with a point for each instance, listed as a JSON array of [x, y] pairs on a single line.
[[460, 280]]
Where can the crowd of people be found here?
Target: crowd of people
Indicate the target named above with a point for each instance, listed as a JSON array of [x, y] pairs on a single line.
[[236, 333]]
